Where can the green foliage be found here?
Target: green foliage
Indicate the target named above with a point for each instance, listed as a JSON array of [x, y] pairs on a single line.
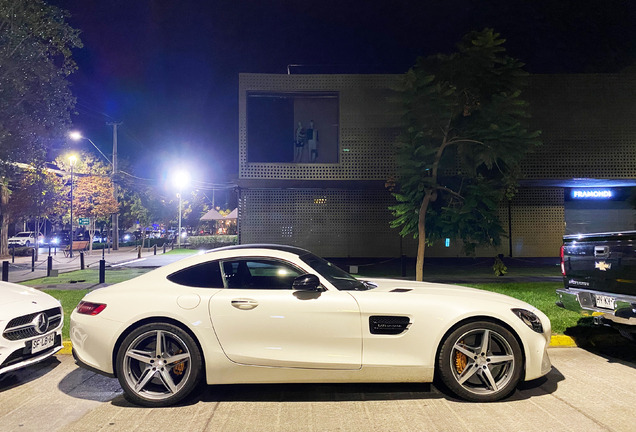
[[35, 59], [464, 133], [212, 242], [499, 267]]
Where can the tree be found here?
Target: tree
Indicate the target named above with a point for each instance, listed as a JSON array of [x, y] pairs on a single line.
[[38, 194], [35, 99], [464, 134], [93, 198]]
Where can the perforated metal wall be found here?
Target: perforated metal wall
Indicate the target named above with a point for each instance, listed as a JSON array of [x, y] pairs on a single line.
[[332, 223], [587, 124], [538, 222], [368, 126]]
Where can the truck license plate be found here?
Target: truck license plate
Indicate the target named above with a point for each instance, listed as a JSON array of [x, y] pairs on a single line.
[[605, 302], [40, 344]]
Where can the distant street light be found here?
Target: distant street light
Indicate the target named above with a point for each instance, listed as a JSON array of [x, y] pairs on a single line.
[[72, 160], [181, 180], [76, 136]]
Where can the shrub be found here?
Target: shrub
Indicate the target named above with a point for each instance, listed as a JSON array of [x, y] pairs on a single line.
[[211, 241]]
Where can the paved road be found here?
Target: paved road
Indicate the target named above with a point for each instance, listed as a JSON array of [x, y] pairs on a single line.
[[584, 392]]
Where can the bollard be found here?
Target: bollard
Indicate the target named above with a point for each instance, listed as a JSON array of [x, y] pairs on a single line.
[[5, 271], [82, 260], [102, 271], [33, 259], [49, 266], [172, 245], [103, 250], [403, 259], [138, 251], [155, 249], [12, 255], [164, 247], [108, 247]]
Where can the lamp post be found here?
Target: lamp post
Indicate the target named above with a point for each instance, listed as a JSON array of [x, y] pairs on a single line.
[[71, 160], [181, 180]]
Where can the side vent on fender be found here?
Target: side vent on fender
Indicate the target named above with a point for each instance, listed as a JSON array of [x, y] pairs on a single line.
[[401, 290], [388, 325]]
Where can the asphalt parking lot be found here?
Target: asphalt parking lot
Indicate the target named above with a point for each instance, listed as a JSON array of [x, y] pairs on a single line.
[[584, 391]]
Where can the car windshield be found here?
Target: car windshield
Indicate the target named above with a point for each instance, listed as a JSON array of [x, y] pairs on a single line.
[[23, 234], [338, 278]]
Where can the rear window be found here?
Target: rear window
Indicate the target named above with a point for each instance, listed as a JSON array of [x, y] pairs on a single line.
[[204, 275]]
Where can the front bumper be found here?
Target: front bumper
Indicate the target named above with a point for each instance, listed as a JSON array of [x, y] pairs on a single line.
[[17, 354]]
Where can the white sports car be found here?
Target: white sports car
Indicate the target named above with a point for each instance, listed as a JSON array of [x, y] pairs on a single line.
[[280, 314], [31, 324]]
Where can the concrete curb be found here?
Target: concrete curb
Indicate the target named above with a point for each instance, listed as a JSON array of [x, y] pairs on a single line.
[[562, 341], [556, 341]]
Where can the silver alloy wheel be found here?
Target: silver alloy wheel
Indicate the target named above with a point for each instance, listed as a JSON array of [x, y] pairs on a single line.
[[157, 365], [482, 361]]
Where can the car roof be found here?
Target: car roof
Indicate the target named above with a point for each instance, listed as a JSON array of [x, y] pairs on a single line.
[[284, 248]]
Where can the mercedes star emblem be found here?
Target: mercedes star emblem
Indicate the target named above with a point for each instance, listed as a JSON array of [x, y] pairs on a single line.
[[41, 323]]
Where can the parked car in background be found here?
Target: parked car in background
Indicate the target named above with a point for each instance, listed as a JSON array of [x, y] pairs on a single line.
[[31, 325], [61, 238], [25, 238]]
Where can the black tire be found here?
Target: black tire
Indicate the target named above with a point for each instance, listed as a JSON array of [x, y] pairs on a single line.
[[477, 374], [158, 377], [28, 243]]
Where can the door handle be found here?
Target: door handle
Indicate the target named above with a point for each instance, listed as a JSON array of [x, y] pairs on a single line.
[[244, 303]]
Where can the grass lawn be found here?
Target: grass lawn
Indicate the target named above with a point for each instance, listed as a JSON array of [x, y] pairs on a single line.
[[89, 276], [69, 300], [540, 295], [183, 252]]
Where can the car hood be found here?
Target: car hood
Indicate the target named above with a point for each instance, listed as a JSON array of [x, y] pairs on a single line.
[[428, 288], [13, 293]]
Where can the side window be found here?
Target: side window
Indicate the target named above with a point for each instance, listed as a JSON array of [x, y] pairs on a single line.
[[204, 275], [259, 274]]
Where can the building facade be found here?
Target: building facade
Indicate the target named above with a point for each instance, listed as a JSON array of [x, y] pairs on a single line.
[[315, 152]]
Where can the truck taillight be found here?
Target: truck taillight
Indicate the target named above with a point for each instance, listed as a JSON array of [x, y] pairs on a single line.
[[562, 260]]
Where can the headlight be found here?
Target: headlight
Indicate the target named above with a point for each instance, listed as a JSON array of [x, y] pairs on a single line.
[[126, 237], [183, 235], [529, 319]]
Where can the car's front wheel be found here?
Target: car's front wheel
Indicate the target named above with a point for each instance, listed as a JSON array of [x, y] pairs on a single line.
[[28, 243], [481, 362], [158, 364]]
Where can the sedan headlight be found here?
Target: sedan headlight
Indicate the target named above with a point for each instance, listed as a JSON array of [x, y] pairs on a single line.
[[529, 319]]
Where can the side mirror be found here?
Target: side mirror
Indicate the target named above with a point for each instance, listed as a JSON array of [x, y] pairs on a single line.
[[306, 282]]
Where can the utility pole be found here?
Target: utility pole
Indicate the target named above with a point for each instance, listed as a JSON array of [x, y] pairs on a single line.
[[115, 187]]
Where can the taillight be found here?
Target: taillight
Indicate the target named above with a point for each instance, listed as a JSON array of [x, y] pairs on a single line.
[[562, 260], [88, 308]]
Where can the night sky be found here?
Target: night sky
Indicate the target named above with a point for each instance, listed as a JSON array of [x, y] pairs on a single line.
[[169, 69]]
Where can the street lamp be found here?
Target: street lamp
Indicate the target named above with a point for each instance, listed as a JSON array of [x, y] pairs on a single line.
[[71, 160], [181, 180], [76, 136]]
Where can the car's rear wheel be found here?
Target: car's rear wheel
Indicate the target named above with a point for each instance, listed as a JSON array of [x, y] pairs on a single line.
[[481, 362], [158, 364]]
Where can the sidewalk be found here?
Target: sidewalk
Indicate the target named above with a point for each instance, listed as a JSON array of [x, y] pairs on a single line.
[[20, 270]]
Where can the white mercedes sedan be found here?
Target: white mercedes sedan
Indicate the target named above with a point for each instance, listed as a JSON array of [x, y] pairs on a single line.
[[31, 324], [280, 314]]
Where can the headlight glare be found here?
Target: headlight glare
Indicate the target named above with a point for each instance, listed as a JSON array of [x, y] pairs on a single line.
[[529, 319]]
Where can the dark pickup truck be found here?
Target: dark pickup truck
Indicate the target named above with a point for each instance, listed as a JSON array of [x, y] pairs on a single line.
[[599, 276]]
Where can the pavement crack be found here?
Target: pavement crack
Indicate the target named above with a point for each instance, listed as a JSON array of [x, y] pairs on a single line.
[[601, 424]]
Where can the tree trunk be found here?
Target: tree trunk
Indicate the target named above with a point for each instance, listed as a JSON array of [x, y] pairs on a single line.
[[4, 219], [421, 235]]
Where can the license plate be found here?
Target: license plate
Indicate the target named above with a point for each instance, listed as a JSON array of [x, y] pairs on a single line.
[[40, 344], [605, 302]]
